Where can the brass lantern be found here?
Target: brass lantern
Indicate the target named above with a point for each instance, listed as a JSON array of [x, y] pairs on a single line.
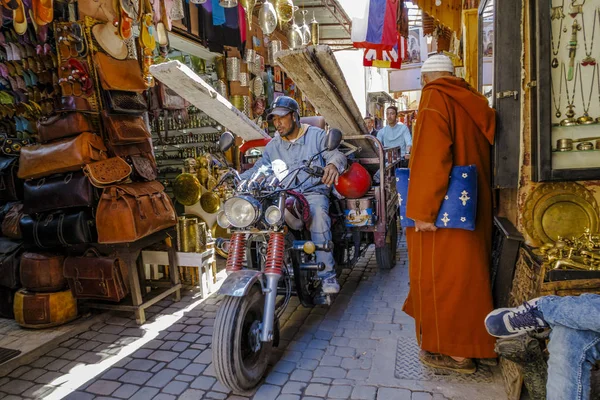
[[314, 28], [285, 11]]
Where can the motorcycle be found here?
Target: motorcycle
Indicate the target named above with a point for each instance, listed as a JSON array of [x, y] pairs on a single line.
[[268, 262]]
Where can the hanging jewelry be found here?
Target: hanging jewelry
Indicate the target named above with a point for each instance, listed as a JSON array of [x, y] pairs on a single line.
[[573, 49], [558, 114], [557, 13], [586, 119], [570, 114], [576, 8], [588, 60]]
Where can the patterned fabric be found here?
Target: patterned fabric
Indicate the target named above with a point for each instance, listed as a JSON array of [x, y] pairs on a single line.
[[459, 208]]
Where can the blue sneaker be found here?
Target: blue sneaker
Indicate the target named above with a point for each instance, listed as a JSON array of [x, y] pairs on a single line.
[[329, 283], [511, 322]]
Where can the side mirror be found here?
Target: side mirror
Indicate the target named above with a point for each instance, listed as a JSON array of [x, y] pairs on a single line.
[[334, 139], [226, 141]]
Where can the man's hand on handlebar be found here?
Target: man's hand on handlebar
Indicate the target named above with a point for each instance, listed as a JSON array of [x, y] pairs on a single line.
[[330, 175]]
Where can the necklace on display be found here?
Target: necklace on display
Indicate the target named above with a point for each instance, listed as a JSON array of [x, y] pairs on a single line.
[[557, 13], [586, 119], [558, 114], [588, 60], [570, 114], [576, 8]]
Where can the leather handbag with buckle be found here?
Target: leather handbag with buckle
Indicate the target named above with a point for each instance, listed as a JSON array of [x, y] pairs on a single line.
[[140, 157], [130, 212], [10, 224], [42, 272], [123, 75], [9, 263], [62, 125], [59, 228], [11, 188], [125, 129], [65, 155], [126, 102], [95, 277], [108, 172], [59, 192], [12, 146]]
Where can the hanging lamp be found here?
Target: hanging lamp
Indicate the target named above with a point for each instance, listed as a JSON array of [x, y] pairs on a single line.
[[228, 3], [314, 29], [267, 18], [304, 29]]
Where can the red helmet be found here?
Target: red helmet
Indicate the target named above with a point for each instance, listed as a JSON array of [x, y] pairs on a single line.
[[355, 182]]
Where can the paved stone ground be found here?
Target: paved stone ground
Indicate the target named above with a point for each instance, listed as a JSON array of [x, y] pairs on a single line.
[[346, 351]]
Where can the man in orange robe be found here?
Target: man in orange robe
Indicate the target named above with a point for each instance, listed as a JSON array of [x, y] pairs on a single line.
[[450, 292]]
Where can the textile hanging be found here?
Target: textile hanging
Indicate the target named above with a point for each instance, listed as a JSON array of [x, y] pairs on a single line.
[[387, 58], [448, 13], [378, 28]]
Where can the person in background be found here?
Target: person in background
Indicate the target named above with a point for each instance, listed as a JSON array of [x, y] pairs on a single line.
[[371, 126], [395, 134], [449, 269], [574, 340]]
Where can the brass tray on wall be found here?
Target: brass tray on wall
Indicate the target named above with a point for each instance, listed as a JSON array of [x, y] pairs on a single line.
[[562, 209]]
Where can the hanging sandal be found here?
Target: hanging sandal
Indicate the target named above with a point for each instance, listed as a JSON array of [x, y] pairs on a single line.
[[20, 18]]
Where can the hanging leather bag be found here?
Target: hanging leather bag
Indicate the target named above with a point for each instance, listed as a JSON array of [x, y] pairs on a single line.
[[59, 229], [59, 192], [125, 129], [123, 75], [108, 172], [65, 155], [132, 211], [42, 272], [95, 277], [140, 157], [62, 125], [10, 224], [11, 188], [9, 263], [126, 102]]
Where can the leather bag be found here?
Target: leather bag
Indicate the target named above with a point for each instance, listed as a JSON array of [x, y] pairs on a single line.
[[72, 103], [44, 310], [125, 129], [59, 229], [10, 224], [42, 272], [59, 192], [65, 155], [11, 188], [7, 298], [11, 146], [130, 212], [123, 75], [126, 102], [62, 125], [108, 172], [95, 277], [9, 263], [169, 99], [140, 157]]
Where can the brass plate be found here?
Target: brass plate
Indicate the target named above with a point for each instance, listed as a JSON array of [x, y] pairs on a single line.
[[219, 232], [562, 209]]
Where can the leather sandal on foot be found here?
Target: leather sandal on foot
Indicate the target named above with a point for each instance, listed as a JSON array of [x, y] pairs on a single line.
[[441, 361]]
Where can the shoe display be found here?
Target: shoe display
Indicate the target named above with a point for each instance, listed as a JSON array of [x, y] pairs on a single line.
[[441, 361], [511, 322], [329, 283]]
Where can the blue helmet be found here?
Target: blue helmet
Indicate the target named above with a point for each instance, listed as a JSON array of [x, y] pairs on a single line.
[[283, 106]]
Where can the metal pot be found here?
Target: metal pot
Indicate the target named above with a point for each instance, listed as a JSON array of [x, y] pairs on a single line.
[[359, 212]]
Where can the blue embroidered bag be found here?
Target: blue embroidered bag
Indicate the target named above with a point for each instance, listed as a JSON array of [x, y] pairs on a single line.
[[459, 208]]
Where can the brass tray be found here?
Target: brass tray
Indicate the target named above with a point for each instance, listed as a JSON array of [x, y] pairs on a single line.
[[554, 210]]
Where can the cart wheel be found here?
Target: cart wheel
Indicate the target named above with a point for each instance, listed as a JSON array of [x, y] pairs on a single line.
[[386, 256]]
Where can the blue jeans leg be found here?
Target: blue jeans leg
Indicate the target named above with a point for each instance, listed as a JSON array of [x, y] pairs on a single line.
[[320, 227], [575, 312], [572, 354]]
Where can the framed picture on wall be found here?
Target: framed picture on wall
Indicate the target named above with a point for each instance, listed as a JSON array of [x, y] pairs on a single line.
[[277, 75]]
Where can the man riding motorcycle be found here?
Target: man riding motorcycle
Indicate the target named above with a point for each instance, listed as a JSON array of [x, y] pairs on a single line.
[[294, 144]]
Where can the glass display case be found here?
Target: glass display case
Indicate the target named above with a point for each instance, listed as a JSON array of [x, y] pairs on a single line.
[[568, 80]]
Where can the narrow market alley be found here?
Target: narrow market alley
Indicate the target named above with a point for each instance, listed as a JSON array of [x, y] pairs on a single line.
[[362, 347]]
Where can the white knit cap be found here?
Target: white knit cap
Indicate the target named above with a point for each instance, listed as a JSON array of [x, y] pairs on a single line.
[[438, 63]]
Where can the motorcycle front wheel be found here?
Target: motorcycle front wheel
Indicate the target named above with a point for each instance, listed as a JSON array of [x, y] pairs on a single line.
[[238, 364]]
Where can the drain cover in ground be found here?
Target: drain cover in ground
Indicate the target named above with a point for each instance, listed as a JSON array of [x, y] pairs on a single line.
[[408, 366], [7, 354]]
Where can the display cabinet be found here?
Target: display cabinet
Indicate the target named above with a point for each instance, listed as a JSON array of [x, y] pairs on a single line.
[[568, 84], [499, 79]]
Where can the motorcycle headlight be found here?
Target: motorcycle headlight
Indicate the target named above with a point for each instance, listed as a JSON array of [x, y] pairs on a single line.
[[273, 215], [242, 211], [222, 220]]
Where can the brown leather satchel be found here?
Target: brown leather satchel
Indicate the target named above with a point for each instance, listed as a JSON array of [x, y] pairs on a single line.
[[140, 157], [69, 190], [42, 272], [64, 155], [62, 125], [10, 225], [95, 277], [123, 75], [125, 129], [132, 211], [108, 172]]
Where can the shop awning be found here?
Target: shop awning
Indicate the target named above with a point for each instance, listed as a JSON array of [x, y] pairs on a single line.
[[448, 13], [335, 24]]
